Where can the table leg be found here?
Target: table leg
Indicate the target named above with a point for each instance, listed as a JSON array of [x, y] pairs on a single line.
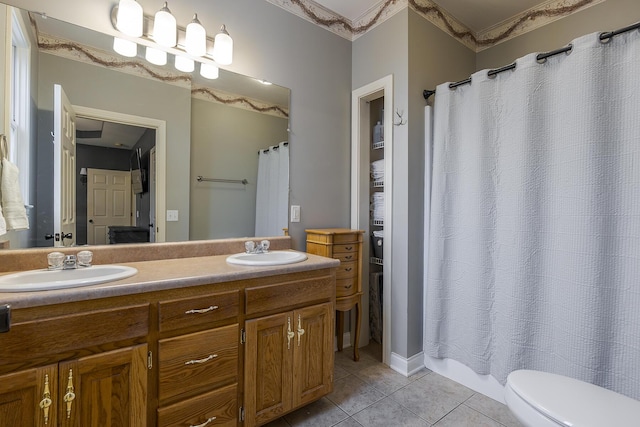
[[340, 329], [356, 351]]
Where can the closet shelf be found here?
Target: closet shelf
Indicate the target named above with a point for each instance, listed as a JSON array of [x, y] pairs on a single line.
[[377, 184], [378, 145], [377, 222], [376, 261]]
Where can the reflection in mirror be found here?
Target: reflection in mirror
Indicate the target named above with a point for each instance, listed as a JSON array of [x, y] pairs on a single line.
[[210, 128]]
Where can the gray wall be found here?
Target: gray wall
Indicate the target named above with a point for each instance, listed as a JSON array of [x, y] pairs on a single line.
[[224, 145]]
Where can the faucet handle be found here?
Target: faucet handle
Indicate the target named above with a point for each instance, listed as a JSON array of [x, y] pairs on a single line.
[[249, 246], [265, 245]]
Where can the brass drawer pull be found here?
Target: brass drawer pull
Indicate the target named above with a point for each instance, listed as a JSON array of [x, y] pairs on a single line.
[[205, 360], [45, 403], [348, 287], [290, 333], [348, 248], [204, 423], [348, 257], [201, 310], [300, 330], [348, 269], [70, 394]]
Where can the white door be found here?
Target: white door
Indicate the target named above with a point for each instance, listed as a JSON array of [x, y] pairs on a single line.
[[64, 166], [108, 203], [152, 195]]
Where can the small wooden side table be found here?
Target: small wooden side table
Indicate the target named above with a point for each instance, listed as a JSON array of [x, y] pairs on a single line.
[[346, 245]]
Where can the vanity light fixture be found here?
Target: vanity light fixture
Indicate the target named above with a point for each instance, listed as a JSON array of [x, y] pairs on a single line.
[[130, 18], [125, 47], [184, 64], [83, 175], [209, 71], [165, 28], [156, 56], [196, 38], [160, 36], [223, 47]]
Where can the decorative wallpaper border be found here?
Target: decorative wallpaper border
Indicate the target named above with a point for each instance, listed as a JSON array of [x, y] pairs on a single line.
[[528, 20], [88, 55], [246, 103]]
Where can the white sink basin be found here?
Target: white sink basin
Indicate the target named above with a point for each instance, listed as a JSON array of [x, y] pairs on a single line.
[[268, 258], [43, 280]]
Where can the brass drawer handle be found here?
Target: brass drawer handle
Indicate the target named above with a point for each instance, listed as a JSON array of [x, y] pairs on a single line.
[[45, 403], [348, 257], [290, 333], [348, 269], [300, 330], [201, 310], [70, 396], [204, 423], [348, 287], [348, 248], [205, 360]]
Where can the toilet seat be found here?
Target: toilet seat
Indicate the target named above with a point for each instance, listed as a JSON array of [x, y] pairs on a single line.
[[544, 399]]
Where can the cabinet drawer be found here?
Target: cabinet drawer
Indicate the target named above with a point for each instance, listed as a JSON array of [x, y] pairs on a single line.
[[72, 332], [345, 287], [285, 295], [195, 361], [347, 270], [345, 238], [346, 256], [221, 404], [348, 248], [200, 310]]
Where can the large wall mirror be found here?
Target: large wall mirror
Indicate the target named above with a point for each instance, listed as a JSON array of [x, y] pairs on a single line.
[[154, 148]]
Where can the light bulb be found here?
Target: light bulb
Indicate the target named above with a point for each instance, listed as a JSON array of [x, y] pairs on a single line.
[[183, 64], [196, 38], [129, 18], [125, 47], [165, 27], [209, 71], [223, 47], [156, 56]]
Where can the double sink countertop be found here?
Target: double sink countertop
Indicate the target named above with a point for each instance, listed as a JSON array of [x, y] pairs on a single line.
[[164, 273]]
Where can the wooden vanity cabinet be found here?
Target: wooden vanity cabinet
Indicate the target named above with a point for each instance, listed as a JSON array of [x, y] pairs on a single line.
[[61, 371], [198, 372], [289, 354]]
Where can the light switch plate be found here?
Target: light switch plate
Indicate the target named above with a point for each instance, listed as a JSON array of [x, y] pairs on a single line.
[[295, 213], [172, 215]]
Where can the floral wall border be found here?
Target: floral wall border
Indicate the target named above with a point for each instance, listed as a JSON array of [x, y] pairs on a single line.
[[528, 20]]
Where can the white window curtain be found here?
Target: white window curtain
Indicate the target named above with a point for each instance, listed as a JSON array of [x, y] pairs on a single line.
[[534, 247], [272, 193]]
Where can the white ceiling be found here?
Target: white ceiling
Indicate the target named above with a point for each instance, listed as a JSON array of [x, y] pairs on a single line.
[[478, 15]]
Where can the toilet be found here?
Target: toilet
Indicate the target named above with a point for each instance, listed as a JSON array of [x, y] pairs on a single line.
[[542, 399]]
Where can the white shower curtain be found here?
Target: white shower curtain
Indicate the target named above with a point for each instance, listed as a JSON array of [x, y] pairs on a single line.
[[272, 193], [534, 247]]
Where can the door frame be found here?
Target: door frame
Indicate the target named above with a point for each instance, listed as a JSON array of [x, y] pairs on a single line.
[[360, 166], [160, 126]]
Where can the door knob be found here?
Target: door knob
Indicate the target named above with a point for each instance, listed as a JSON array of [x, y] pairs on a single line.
[[90, 221]]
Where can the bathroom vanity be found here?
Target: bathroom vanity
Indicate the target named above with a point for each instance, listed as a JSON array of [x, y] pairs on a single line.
[[189, 341]]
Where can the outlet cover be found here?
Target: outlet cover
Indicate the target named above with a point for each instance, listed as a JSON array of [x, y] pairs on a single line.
[[172, 215]]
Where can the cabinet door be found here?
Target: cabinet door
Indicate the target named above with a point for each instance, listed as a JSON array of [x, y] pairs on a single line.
[[268, 367], [313, 355], [106, 390], [27, 397]]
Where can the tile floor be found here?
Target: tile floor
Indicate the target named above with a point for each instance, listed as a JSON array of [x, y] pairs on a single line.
[[370, 394]]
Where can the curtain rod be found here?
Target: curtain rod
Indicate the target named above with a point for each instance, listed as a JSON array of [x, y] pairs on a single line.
[[541, 57]]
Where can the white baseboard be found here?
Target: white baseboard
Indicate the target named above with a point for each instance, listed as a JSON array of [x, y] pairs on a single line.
[[346, 341], [407, 367]]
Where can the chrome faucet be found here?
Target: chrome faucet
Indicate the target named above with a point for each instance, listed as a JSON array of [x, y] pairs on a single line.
[[261, 248], [70, 262]]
